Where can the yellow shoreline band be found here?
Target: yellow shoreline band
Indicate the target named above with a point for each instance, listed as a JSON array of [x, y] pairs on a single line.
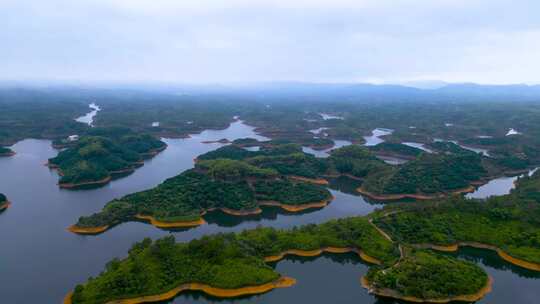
[[213, 291]]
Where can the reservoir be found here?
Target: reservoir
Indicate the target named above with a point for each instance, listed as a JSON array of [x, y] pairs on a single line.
[[40, 261]]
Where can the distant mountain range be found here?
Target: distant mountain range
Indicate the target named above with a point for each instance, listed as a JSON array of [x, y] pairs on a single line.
[[417, 91]]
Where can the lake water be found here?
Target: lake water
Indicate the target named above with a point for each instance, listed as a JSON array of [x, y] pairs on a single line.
[[325, 153], [498, 186], [88, 118], [376, 135], [40, 261]]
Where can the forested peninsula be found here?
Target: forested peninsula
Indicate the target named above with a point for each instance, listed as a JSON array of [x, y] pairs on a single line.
[[102, 154], [508, 225], [4, 203], [226, 265], [235, 187], [5, 152]]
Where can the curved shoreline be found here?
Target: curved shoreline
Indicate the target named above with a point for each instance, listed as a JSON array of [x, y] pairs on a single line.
[[87, 230], [188, 224], [392, 197], [9, 154], [317, 252], [153, 152], [282, 282], [390, 293], [161, 224], [317, 181], [4, 205], [502, 254], [101, 182], [296, 208]]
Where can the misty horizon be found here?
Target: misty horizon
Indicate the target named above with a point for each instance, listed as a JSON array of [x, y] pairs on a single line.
[[413, 42]]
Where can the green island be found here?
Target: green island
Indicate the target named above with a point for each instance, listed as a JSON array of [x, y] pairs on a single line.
[[396, 150], [506, 224], [422, 276], [230, 265], [232, 186], [427, 176], [4, 203], [4, 152], [226, 262], [102, 154]]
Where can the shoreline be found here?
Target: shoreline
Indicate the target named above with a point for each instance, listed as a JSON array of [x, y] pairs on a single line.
[[189, 224], [392, 197], [317, 252], [87, 230], [153, 152], [4, 205], [101, 182], [390, 293], [317, 181], [297, 208], [9, 154], [502, 254], [179, 224], [282, 282]]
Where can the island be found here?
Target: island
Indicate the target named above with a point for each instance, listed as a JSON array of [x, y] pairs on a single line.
[[6, 152], [508, 225], [226, 265], [102, 154], [428, 176], [397, 150], [4, 203], [233, 186], [424, 277]]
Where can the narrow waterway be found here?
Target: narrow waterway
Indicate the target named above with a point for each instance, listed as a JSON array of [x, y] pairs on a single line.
[[88, 118], [40, 261]]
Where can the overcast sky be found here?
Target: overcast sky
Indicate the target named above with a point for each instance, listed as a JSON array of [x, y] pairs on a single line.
[[194, 41]]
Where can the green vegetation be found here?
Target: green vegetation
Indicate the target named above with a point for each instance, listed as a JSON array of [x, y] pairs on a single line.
[[103, 153], [287, 159], [357, 161], [510, 222], [223, 260], [396, 149], [425, 275], [220, 183], [428, 174], [6, 151]]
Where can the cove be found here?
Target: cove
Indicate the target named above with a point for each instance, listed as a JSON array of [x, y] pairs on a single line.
[[40, 261]]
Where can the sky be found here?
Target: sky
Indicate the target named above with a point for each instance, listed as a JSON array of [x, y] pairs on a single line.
[[210, 41]]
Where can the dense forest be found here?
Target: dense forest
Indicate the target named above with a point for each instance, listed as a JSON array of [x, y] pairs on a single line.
[[231, 185], [509, 222], [224, 260], [424, 275], [103, 153]]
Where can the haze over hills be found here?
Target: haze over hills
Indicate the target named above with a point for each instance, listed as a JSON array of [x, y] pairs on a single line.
[[338, 92]]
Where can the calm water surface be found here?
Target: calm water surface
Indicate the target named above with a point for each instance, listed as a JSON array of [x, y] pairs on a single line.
[[88, 118], [40, 261], [376, 135]]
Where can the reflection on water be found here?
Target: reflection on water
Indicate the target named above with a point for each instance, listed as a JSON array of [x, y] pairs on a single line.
[[499, 186], [329, 278], [88, 118], [40, 261], [376, 135], [511, 284], [36, 245]]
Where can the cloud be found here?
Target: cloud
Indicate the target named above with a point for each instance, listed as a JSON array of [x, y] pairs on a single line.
[[220, 41]]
